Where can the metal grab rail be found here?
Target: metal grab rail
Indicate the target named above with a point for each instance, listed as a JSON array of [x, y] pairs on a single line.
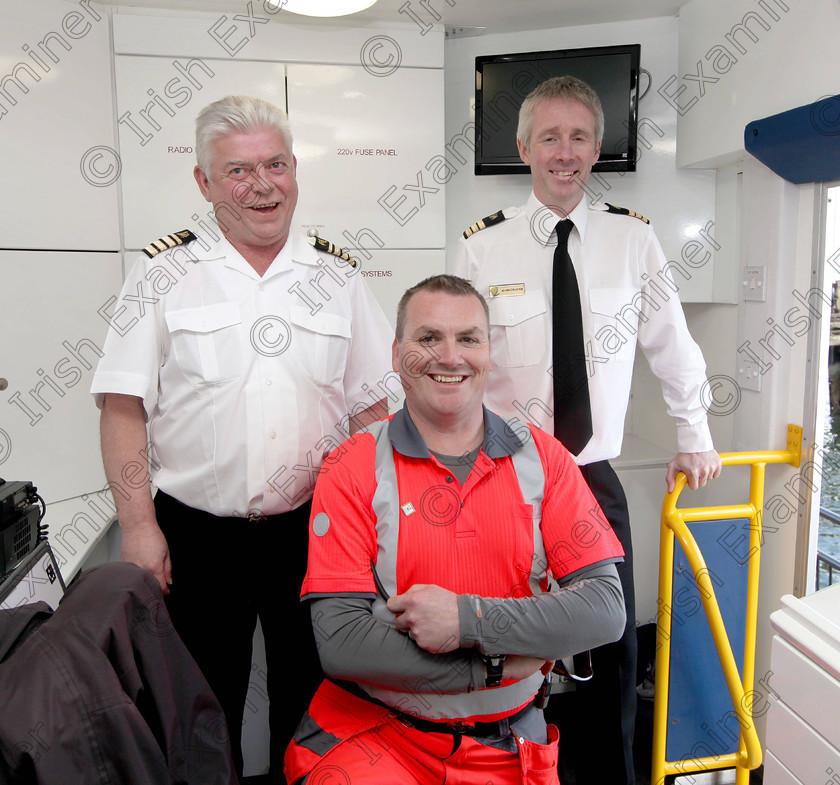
[[674, 526]]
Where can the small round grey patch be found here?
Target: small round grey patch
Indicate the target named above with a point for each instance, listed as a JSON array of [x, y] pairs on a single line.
[[320, 524]]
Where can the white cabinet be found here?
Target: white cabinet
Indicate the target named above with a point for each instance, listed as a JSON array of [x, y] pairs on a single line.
[[777, 773], [369, 150], [52, 341], [56, 131], [803, 722]]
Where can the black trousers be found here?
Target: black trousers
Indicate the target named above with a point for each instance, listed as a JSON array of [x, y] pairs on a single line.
[[227, 572], [103, 692], [597, 720]]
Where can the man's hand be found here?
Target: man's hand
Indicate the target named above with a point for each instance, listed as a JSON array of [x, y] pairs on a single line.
[[698, 467], [124, 442], [430, 614], [144, 545]]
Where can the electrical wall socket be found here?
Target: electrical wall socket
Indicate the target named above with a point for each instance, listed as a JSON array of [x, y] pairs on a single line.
[[749, 374], [754, 284]]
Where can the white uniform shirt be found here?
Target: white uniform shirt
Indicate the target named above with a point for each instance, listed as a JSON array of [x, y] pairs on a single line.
[[626, 296], [247, 381]]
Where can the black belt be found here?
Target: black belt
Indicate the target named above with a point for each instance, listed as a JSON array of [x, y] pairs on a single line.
[[497, 729], [276, 519]]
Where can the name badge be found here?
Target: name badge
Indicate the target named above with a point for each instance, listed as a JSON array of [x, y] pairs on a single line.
[[507, 290]]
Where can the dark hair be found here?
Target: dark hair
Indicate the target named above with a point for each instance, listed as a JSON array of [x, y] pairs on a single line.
[[450, 284]]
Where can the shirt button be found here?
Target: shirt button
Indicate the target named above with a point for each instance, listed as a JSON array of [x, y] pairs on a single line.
[[273, 435], [268, 381], [450, 478]]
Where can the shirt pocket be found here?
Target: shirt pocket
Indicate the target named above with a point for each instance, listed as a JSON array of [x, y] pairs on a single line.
[[322, 344], [207, 342], [519, 325], [615, 321]]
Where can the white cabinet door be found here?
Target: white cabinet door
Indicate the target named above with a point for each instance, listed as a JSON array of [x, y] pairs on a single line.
[[56, 128], [52, 340], [370, 155]]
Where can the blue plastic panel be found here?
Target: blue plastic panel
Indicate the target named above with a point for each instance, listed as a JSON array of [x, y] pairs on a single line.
[[701, 720], [801, 145]]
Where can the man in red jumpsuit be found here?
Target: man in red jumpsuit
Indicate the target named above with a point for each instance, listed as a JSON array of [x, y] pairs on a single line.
[[453, 556]]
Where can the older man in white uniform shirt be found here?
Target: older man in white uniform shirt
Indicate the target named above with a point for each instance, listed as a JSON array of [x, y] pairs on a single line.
[[626, 296], [249, 357]]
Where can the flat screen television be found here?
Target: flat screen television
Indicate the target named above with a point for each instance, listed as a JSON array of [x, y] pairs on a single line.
[[503, 81]]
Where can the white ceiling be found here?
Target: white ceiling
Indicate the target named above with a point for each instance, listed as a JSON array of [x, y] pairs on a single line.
[[497, 16]]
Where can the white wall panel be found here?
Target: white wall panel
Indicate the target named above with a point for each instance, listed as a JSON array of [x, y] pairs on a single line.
[[742, 60], [369, 150], [56, 131], [157, 102], [389, 273], [49, 425]]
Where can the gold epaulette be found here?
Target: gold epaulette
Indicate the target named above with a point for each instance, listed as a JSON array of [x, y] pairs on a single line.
[[490, 220], [625, 211], [328, 247], [169, 241]]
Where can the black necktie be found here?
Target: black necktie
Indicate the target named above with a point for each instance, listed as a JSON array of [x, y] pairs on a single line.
[[572, 415]]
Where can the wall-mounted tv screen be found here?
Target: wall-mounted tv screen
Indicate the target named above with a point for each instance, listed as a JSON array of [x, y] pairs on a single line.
[[503, 81]]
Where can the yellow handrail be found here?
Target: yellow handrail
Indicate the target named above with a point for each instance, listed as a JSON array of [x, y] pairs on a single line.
[[674, 525]]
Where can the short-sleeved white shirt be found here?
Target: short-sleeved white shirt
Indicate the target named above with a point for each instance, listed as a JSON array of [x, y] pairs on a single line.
[[246, 381], [627, 297]]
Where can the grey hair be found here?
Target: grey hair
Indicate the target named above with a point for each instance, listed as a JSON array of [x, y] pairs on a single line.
[[236, 114], [568, 87]]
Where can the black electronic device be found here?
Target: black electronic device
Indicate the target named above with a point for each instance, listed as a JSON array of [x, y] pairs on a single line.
[[21, 511], [503, 81]]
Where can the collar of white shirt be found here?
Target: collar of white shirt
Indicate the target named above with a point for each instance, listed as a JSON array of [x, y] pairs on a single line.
[[297, 250], [543, 220]]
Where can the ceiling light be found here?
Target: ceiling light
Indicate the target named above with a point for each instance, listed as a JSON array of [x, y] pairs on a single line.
[[322, 7]]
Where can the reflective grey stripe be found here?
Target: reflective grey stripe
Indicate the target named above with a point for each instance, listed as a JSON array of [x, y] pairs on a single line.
[[481, 703], [531, 477], [386, 501], [386, 506]]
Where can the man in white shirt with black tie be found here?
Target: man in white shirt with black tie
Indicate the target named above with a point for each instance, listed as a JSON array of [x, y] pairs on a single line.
[[626, 296]]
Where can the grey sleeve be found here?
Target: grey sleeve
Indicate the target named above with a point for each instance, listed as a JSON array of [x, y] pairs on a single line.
[[356, 646], [586, 611]]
